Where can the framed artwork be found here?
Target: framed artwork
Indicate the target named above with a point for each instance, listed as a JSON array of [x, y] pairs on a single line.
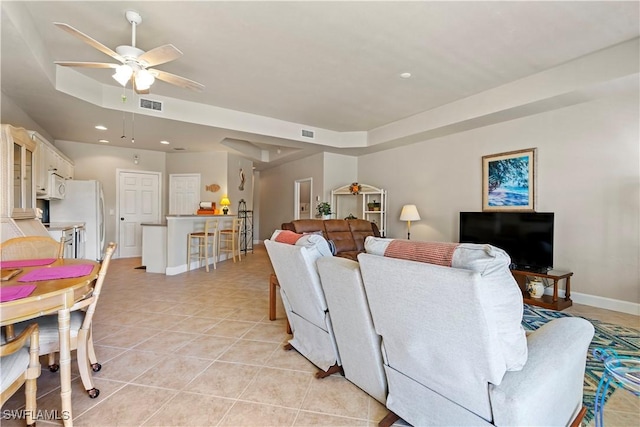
[[508, 181]]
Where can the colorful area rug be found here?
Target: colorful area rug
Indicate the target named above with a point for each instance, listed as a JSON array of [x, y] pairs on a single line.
[[625, 341]]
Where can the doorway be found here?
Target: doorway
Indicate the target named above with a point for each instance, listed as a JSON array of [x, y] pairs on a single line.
[[184, 193], [138, 201], [302, 198]]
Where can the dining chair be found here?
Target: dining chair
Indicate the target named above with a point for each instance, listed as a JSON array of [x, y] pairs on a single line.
[[229, 239], [201, 241], [80, 330], [21, 365], [30, 247]]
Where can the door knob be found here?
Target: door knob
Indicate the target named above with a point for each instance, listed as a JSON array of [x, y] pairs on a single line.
[[121, 219]]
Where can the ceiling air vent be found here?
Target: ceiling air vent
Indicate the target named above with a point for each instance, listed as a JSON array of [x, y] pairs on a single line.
[[179, 149], [307, 133], [149, 104]]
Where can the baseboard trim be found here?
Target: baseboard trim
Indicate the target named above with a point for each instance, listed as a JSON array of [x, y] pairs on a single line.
[[606, 303], [182, 268], [600, 302]]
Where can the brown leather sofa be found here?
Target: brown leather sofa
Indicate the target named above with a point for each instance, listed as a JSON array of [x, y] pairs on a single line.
[[347, 234]]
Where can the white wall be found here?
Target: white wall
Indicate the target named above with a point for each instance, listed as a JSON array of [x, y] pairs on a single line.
[[99, 162], [277, 188], [14, 115], [339, 170], [588, 173]]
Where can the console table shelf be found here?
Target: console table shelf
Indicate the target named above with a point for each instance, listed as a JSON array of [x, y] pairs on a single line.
[[552, 302]]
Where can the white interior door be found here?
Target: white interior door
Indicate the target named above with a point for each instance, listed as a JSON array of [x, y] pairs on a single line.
[[184, 193], [138, 202], [302, 198]]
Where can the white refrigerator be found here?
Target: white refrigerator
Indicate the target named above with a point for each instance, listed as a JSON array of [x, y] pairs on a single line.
[[83, 202]]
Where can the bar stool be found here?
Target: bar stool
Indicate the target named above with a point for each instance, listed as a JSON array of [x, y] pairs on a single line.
[[229, 240], [203, 240]]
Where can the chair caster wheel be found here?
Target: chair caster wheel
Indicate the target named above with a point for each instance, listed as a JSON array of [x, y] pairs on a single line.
[[93, 393], [96, 367], [54, 368]]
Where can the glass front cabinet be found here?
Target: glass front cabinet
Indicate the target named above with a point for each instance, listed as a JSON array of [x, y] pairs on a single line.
[[18, 174]]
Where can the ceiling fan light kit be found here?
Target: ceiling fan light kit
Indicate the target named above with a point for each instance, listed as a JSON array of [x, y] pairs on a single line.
[[123, 74], [135, 61]]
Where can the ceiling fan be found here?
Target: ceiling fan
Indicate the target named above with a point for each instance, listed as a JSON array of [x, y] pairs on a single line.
[[135, 62]]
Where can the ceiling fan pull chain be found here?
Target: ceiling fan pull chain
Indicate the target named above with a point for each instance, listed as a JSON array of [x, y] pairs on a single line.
[[124, 100]]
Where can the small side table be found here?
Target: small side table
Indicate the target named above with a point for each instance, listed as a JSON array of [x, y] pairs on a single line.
[[622, 371], [552, 302], [273, 282]]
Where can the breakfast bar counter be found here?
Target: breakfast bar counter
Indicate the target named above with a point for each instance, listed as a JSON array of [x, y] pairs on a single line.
[[164, 245]]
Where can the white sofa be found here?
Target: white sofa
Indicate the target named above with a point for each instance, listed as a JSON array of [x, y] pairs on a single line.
[[452, 346], [358, 343], [319, 333], [304, 301]]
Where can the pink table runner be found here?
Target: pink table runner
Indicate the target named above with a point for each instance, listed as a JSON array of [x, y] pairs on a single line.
[[52, 273], [10, 293], [26, 262]]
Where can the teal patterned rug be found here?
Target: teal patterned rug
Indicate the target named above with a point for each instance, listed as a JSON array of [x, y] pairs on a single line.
[[625, 341]]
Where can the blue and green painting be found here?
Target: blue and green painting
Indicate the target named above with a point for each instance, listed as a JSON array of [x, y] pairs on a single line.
[[509, 182]]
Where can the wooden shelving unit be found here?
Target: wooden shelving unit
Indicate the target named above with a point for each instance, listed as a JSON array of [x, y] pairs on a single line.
[[367, 194]]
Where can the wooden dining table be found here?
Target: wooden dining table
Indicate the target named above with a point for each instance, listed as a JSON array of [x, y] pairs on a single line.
[[48, 297]]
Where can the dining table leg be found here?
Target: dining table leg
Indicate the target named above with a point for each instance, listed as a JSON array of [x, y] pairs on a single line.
[[64, 317]]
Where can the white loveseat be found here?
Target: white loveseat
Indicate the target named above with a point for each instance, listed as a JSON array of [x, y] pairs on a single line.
[[451, 343]]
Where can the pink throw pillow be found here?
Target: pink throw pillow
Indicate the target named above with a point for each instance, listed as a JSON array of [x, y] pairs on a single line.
[[288, 237], [430, 252]]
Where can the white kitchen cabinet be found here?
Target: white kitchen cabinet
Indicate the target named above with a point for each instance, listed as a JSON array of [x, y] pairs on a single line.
[[65, 167], [18, 177], [49, 160]]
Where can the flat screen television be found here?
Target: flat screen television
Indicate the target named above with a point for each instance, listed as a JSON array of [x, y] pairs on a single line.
[[526, 236]]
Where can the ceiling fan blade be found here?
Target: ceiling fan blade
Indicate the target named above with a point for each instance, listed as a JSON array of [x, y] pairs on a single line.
[[86, 64], [90, 41], [160, 55], [177, 80]]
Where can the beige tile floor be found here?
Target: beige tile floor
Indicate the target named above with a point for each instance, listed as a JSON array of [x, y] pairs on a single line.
[[198, 349]]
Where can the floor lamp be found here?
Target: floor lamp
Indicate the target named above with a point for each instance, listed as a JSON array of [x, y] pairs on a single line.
[[409, 213]]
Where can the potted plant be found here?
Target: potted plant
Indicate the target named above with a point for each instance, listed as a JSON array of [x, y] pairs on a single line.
[[373, 206], [324, 210]]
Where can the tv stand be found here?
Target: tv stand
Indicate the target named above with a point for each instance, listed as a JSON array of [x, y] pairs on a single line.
[[547, 301]]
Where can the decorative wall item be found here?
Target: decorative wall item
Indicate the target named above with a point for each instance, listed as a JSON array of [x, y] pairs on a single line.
[[355, 188], [242, 178], [212, 188], [508, 181]]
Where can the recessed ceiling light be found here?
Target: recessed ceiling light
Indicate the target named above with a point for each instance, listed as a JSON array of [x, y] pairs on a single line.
[[100, 127], [165, 142], [104, 141], [405, 75]]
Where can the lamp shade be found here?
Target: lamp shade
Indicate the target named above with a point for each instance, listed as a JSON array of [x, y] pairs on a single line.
[[144, 79], [123, 74], [225, 201], [409, 213]]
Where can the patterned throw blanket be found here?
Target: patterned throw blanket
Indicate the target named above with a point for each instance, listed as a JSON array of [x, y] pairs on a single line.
[[430, 252]]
